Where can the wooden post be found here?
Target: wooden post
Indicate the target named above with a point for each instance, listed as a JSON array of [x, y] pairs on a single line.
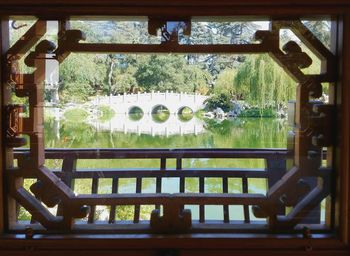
[[332, 151], [6, 153], [276, 168], [342, 204], [2, 135], [68, 167]]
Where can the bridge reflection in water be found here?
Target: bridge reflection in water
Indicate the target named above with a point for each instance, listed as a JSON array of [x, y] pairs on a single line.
[[148, 125]]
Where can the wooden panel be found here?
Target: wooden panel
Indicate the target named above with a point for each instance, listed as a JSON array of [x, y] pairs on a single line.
[[111, 153], [199, 252], [343, 101], [127, 173], [155, 48], [6, 153], [262, 242], [179, 8], [188, 198], [61, 12], [4, 44], [131, 3]]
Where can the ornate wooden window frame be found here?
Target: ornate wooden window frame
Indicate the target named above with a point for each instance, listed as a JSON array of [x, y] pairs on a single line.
[[340, 10]]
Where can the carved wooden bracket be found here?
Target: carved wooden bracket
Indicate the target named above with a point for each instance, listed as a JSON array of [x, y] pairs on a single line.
[[175, 219], [14, 126], [313, 127], [169, 28], [67, 40]]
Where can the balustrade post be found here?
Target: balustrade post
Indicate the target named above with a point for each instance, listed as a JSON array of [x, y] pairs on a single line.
[[69, 166], [276, 168]]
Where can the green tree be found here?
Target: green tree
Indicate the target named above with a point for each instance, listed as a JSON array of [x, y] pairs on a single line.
[[81, 75], [170, 72], [196, 79], [263, 82], [222, 101], [225, 83], [124, 82]]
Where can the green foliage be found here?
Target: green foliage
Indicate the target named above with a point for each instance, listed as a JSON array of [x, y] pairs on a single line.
[[196, 79], [82, 75], [258, 112], [105, 113], [255, 79], [262, 82], [170, 72], [225, 83], [76, 92], [215, 126], [24, 215], [222, 101], [125, 212], [124, 82], [199, 114], [76, 115]]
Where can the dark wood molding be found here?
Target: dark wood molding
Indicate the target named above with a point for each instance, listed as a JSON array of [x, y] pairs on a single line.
[[177, 8], [175, 3], [4, 45], [343, 182]]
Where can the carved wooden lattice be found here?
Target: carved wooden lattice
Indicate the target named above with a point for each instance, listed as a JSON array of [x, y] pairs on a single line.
[[312, 121]]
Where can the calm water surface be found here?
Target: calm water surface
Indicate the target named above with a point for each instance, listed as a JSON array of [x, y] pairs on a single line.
[[123, 131]]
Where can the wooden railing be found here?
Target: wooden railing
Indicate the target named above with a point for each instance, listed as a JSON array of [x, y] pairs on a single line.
[[274, 168]]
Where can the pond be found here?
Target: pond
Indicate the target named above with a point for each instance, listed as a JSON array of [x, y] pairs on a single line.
[[124, 131]]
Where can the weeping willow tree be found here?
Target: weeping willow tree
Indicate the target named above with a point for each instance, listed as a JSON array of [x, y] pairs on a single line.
[[263, 83]]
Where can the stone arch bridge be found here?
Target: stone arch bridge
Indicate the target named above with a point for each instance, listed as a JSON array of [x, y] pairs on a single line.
[[148, 102]]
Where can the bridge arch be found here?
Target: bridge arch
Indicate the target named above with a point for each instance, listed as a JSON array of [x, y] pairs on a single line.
[[157, 108], [185, 113], [135, 113], [135, 109], [160, 113], [187, 109]]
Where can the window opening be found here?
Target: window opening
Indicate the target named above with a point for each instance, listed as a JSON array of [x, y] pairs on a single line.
[[278, 189]]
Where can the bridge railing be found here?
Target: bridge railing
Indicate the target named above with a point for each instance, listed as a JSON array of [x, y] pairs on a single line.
[[150, 96], [233, 204]]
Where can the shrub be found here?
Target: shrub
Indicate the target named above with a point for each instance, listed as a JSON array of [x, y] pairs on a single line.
[[257, 112], [222, 101]]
